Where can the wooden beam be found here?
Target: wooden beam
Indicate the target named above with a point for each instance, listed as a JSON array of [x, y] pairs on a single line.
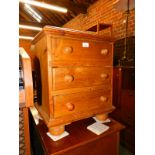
[[52, 17], [64, 18], [31, 23], [43, 14], [48, 15], [72, 14], [21, 17], [25, 16], [58, 17], [24, 32], [76, 7]]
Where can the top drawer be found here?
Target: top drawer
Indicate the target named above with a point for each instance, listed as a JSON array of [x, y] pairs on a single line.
[[73, 52]]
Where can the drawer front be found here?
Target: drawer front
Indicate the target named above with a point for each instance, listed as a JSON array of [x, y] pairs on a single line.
[[81, 102], [78, 52], [78, 77]]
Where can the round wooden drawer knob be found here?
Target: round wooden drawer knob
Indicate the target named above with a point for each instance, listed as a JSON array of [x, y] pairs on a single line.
[[104, 76], [69, 78], [103, 98], [70, 106], [104, 51], [68, 50]]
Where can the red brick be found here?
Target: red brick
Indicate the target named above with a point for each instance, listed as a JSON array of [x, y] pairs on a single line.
[[103, 11]]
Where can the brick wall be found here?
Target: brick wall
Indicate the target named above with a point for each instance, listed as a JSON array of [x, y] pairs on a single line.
[[104, 12]]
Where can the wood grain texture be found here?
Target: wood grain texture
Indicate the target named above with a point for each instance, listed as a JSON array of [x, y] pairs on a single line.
[[76, 75], [66, 32], [42, 57], [80, 77], [26, 96], [90, 52], [82, 102], [81, 140], [67, 119], [26, 44], [51, 17], [28, 85]]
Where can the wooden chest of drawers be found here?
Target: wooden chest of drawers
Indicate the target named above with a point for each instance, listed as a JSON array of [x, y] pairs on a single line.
[[73, 76]]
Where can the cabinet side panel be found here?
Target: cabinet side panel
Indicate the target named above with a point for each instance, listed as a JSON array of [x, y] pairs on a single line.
[[42, 57]]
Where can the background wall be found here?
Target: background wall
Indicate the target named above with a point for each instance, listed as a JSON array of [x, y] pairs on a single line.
[[103, 11]]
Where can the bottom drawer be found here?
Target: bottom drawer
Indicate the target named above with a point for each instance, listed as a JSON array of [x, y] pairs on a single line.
[[81, 102]]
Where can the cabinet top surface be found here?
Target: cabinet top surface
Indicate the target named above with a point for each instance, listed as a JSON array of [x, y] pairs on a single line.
[[79, 135], [52, 30]]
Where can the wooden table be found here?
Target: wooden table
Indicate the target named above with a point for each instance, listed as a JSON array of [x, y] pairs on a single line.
[[80, 141]]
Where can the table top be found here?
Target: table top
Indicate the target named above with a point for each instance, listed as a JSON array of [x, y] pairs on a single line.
[[78, 135]]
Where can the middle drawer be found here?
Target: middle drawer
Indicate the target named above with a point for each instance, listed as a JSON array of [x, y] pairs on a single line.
[[78, 77]]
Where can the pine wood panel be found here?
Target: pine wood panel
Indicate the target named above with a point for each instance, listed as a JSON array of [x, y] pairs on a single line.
[[87, 66], [81, 102], [76, 77], [80, 140], [25, 99], [28, 85], [41, 64], [90, 52], [26, 44]]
